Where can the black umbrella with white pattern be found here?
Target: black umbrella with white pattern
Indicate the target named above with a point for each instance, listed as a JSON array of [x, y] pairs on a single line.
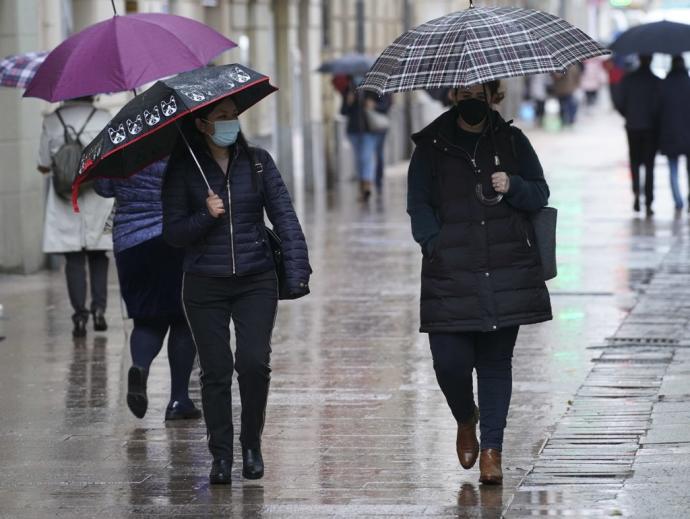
[[478, 45]]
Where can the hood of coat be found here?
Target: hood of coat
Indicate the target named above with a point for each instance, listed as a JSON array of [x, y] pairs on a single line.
[[445, 126]]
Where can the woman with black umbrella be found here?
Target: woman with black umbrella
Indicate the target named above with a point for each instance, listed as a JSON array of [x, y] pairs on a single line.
[[230, 271], [482, 276]]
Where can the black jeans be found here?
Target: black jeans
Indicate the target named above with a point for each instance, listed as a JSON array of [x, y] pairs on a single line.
[[456, 355], [251, 302], [75, 271], [642, 147]]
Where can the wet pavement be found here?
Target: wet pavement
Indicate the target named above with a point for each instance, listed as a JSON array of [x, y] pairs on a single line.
[[356, 426]]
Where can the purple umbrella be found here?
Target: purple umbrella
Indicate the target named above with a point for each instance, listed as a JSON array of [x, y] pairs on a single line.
[[123, 53]]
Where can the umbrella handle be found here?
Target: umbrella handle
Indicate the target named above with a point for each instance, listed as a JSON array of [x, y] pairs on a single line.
[[191, 152], [494, 200]]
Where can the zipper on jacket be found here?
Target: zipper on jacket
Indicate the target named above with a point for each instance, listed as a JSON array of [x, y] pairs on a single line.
[[232, 240]]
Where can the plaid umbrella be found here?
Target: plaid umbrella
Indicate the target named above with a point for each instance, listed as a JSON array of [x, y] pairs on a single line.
[[19, 70], [478, 45]]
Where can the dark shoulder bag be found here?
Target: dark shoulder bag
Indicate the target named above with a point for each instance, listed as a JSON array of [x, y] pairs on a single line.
[[544, 223], [274, 241]]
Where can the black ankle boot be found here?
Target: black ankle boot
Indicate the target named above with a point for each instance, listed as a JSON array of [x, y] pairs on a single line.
[[137, 400], [99, 322], [220, 472], [252, 463], [79, 329]]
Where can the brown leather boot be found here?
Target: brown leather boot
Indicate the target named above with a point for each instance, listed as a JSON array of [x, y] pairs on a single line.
[[364, 190], [466, 443], [490, 472]]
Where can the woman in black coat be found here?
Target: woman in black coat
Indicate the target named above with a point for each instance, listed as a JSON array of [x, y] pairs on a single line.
[[481, 273], [674, 131], [229, 272]]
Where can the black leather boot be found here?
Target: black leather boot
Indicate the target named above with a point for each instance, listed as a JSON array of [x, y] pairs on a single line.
[[137, 401], [220, 472], [79, 329], [99, 322], [252, 463]]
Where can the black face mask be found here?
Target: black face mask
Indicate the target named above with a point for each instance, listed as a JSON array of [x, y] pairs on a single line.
[[472, 111]]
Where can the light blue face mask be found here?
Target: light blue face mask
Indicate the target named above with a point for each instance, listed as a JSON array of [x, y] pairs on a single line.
[[225, 132]]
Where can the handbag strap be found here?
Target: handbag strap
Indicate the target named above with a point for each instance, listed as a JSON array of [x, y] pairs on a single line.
[[256, 166]]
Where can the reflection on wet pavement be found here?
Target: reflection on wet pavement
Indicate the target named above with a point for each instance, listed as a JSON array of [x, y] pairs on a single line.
[[356, 425]]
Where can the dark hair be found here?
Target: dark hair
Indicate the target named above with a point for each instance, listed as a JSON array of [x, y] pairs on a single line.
[[495, 91]]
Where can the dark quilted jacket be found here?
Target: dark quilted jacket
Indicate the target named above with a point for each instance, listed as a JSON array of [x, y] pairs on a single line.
[[482, 271], [235, 243]]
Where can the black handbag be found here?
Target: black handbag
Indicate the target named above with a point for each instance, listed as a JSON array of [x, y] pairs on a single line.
[[544, 223], [276, 245], [274, 241]]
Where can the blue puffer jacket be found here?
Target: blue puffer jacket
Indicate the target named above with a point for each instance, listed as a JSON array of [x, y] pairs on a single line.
[[235, 243], [139, 216]]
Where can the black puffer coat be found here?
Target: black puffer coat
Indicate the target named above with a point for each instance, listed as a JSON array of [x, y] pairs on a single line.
[[482, 272], [235, 243]]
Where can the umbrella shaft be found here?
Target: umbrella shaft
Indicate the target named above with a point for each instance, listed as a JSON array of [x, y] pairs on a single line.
[[112, 2]]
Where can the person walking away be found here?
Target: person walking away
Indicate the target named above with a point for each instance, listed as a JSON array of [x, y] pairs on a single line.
[[229, 271], [564, 88], [638, 101], [482, 276], [150, 275], [615, 70], [383, 106], [538, 93], [362, 137], [674, 127], [81, 237], [593, 78]]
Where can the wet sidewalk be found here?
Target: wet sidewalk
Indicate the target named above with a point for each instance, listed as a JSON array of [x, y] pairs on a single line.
[[356, 426]]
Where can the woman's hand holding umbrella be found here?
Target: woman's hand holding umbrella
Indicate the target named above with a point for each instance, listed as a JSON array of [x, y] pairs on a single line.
[[500, 182], [214, 204]]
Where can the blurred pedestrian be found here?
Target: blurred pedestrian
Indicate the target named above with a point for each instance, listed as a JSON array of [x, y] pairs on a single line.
[[81, 237], [367, 124], [150, 275], [674, 128], [229, 271], [638, 101], [538, 93], [383, 106], [564, 88], [615, 69], [593, 78], [481, 273]]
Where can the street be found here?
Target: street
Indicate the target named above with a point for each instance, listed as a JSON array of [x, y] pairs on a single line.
[[356, 424]]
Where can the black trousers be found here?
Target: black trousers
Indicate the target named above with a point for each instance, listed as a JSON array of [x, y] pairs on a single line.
[[75, 271], [251, 302], [456, 355], [642, 146]]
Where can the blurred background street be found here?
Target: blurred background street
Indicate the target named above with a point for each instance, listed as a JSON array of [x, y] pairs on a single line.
[[356, 425]]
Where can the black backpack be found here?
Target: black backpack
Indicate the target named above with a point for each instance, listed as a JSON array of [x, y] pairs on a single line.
[[65, 161]]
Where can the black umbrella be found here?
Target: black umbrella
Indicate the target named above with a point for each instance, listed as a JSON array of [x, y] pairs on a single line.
[[350, 64], [146, 128], [658, 37]]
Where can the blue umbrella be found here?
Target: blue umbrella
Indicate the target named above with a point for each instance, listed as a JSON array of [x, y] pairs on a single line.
[[350, 64]]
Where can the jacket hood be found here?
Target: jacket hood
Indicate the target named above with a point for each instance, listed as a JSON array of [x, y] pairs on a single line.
[[446, 123]]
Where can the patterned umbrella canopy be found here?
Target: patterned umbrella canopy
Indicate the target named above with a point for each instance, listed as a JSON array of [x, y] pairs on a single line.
[[19, 70], [478, 45], [144, 130]]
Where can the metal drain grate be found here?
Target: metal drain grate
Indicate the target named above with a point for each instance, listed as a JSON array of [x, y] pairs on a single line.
[[641, 341]]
